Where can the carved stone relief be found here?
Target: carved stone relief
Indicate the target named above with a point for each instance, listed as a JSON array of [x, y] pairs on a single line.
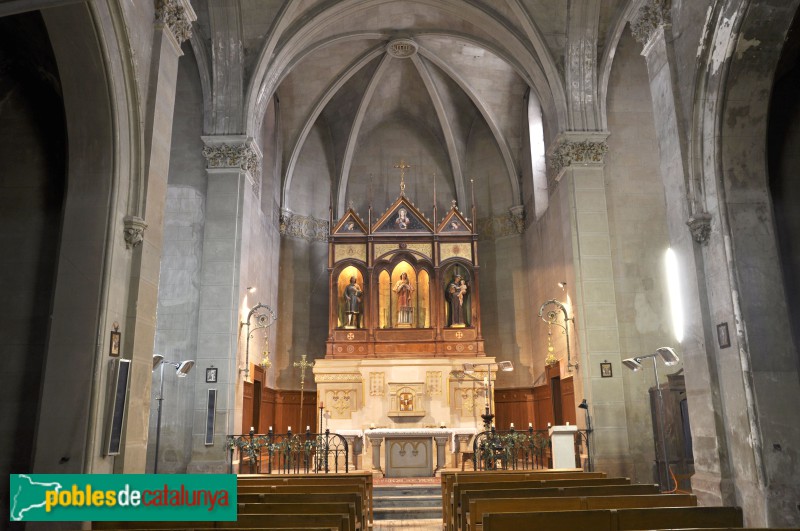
[[134, 231], [303, 227], [341, 402], [585, 152], [433, 382], [377, 384], [700, 225]]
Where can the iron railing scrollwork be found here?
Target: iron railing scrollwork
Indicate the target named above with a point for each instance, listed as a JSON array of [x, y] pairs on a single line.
[[288, 453], [511, 450], [521, 450]]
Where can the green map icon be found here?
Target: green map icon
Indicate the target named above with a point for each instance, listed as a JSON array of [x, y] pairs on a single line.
[[28, 495]]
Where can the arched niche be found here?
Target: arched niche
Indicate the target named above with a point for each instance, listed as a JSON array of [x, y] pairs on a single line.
[[350, 297], [457, 293], [405, 296]]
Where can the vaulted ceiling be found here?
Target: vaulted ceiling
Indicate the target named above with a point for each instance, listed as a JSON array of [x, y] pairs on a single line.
[[445, 67]]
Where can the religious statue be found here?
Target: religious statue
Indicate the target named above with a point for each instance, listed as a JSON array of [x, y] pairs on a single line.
[[402, 220], [352, 302], [456, 291], [404, 288]]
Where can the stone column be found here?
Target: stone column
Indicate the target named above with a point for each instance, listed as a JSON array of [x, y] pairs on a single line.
[[702, 379], [441, 447], [233, 163], [579, 160], [375, 442], [351, 445], [172, 26]]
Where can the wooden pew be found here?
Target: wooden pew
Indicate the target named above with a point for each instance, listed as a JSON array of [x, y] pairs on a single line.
[[308, 489], [479, 507], [313, 497], [338, 522], [454, 508], [298, 508], [358, 478], [618, 519], [451, 478]]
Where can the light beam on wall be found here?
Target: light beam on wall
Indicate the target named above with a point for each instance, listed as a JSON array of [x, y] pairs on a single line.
[[674, 286]]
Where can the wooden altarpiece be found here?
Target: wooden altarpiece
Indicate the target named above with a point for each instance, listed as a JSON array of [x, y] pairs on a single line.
[[373, 311]]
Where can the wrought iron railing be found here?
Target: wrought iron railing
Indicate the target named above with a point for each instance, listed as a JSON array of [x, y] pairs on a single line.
[[521, 450], [511, 450], [289, 453]]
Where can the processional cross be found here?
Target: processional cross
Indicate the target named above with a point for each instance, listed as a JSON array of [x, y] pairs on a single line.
[[402, 166], [302, 365]]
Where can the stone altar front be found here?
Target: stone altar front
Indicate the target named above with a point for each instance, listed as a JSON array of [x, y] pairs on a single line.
[[409, 452]]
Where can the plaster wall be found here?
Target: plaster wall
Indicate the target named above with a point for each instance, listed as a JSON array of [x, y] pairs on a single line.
[[484, 164], [375, 180], [310, 193], [637, 223]]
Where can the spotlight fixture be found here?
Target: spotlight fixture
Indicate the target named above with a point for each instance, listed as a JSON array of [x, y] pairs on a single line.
[[633, 364], [583, 405], [157, 359], [251, 289], [562, 285]]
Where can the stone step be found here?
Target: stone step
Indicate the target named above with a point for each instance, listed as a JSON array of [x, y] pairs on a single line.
[[407, 490], [408, 513], [408, 501]]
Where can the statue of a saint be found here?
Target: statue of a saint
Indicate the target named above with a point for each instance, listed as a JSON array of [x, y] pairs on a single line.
[[352, 303], [456, 291], [405, 311]]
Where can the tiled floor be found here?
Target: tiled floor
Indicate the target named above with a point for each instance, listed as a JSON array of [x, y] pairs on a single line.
[[407, 525]]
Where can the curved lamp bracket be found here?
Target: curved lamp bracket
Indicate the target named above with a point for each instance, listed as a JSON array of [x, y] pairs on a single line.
[[551, 318]]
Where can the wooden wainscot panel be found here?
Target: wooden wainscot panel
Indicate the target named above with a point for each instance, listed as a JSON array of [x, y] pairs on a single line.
[[514, 405], [568, 400], [543, 406]]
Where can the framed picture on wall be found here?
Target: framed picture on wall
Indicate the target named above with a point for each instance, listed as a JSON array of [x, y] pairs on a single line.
[[723, 337], [211, 375], [605, 369], [116, 338]]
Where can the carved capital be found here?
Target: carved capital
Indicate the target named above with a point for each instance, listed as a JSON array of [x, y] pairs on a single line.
[[134, 231], [178, 16], [700, 225], [651, 16], [501, 226], [583, 152], [304, 227], [234, 152]]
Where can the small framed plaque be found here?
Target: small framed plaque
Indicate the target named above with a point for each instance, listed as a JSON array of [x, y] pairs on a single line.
[[723, 337], [605, 369], [113, 349], [211, 375]]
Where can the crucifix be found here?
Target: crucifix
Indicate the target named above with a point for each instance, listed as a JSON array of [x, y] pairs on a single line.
[[302, 365], [402, 166]]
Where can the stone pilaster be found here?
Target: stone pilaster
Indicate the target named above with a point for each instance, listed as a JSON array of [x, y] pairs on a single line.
[[231, 163], [146, 245], [702, 378], [578, 163]]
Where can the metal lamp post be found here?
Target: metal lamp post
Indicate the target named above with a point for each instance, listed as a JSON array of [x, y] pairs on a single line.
[[182, 368]]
